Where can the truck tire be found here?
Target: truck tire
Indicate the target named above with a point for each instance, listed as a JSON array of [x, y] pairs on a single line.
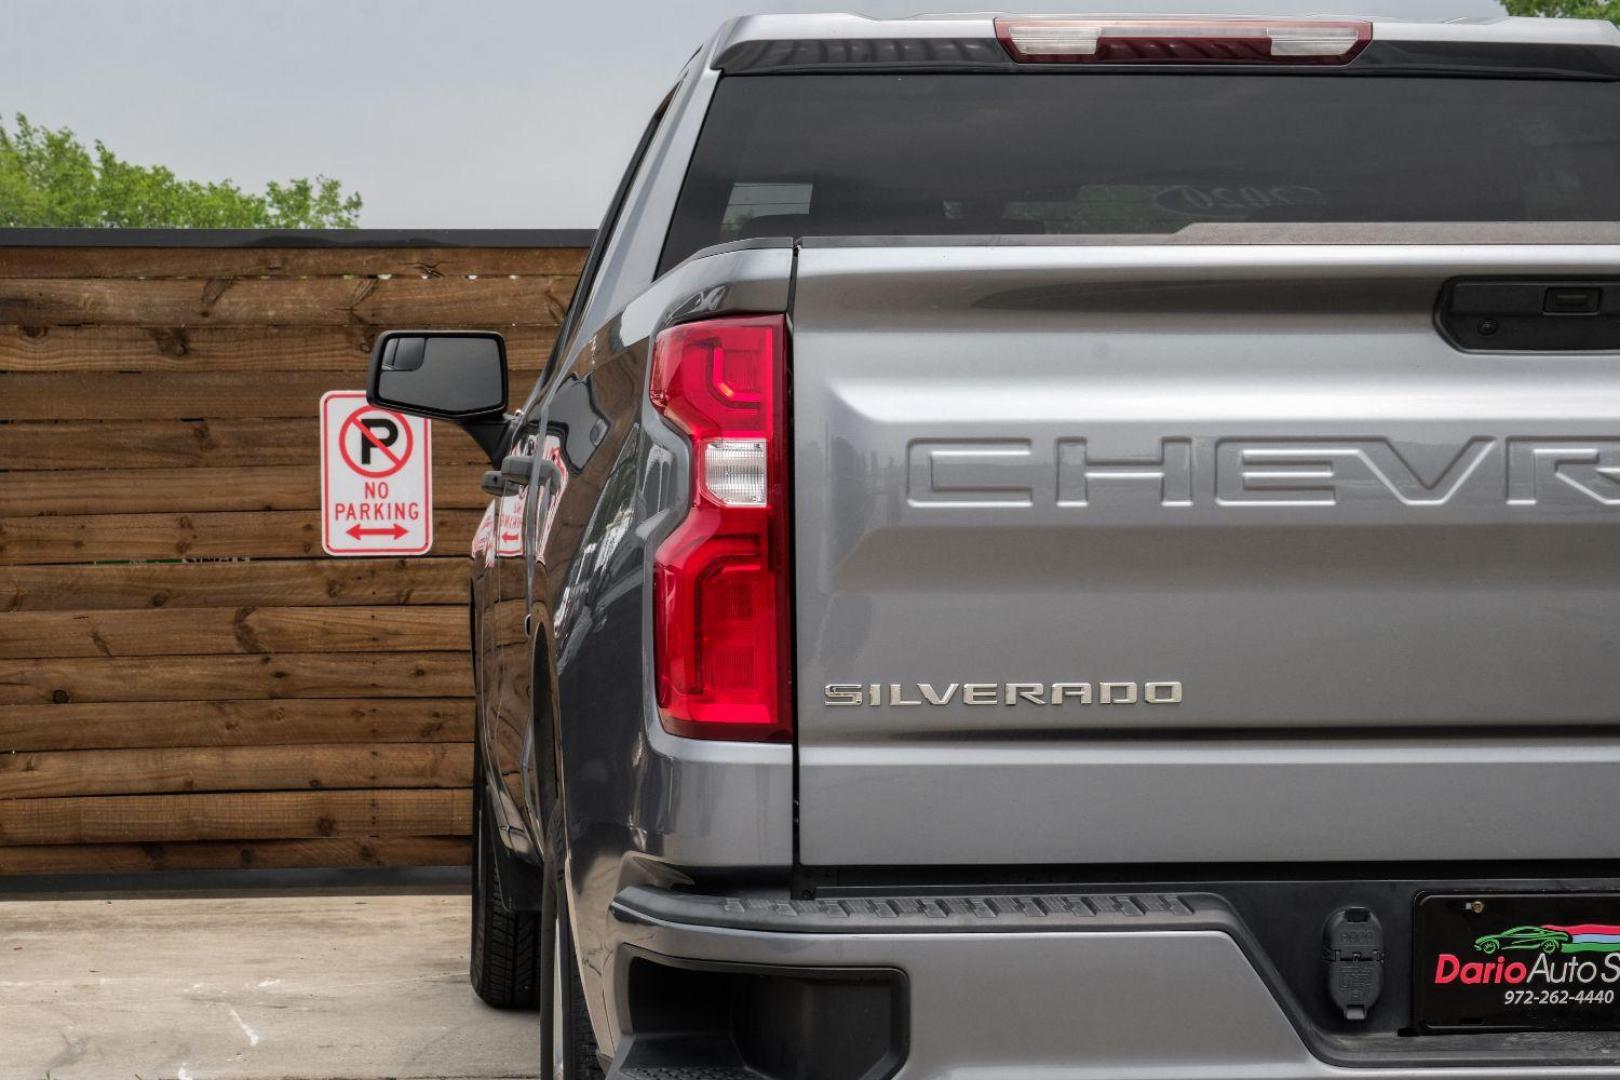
[[579, 1059], [505, 966]]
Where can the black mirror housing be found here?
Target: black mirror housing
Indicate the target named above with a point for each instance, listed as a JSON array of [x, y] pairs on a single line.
[[457, 375]]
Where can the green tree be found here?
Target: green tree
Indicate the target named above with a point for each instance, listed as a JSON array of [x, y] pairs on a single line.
[[50, 179], [1566, 9]]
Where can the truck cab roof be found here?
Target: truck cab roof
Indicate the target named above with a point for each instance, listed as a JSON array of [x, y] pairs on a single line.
[[851, 27], [1583, 48]]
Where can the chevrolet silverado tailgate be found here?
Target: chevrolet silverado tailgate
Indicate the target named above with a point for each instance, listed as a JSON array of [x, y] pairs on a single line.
[[1188, 553]]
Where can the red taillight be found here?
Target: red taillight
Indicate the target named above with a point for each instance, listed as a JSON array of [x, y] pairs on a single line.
[[1151, 40], [721, 603]]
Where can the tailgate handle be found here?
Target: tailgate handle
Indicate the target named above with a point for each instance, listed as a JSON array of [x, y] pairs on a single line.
[[1587, 300], [1532, 315]]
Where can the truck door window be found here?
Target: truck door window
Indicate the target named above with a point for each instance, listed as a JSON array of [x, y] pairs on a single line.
[[604, 237]]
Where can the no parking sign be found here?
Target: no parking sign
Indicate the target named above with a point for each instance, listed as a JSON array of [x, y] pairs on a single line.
[[376, 479]]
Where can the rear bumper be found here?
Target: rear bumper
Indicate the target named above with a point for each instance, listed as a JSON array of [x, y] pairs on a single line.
[[1152, 986]]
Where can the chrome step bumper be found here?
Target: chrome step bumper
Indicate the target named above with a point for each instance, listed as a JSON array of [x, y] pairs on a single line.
[[1068, 986]]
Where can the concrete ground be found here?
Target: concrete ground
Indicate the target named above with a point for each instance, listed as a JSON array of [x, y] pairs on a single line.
[[326, 987]]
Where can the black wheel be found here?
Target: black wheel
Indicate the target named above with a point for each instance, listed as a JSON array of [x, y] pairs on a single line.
[[505, 965], [575, 1056], [572, 1040]]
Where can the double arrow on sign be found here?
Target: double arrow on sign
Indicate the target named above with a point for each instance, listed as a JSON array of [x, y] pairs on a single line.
[[396, 531]]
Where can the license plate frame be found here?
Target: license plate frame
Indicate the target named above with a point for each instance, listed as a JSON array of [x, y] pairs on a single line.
[[1516, 962]]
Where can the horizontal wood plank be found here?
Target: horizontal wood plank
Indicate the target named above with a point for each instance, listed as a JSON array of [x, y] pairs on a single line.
[[237, 534], [245, 487], [330, 582], [234, 768], [194, 632], [42, 445], [224, 349], [498, 300], [114, 819], [140, 396], [138, 724], [194, 262], [162, 396], [362, 852], [223, 678]]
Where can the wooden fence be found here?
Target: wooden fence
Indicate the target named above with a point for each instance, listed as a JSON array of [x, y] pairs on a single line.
[[186, 680]]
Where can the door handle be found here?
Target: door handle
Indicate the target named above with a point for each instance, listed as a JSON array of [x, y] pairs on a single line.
[[539, 474], [515, 468]]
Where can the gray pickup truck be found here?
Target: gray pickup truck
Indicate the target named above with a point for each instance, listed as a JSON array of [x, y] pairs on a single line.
[[1067, 548]]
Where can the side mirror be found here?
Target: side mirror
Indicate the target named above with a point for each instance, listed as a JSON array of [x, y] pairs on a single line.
[[457, 375]]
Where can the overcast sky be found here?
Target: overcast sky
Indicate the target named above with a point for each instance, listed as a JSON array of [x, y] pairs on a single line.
[[442, 113]]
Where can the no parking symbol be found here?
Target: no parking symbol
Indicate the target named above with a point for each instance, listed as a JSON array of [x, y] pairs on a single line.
[[376, 479]]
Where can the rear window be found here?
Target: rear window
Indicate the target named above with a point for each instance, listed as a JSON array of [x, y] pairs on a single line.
[[1079, 154]]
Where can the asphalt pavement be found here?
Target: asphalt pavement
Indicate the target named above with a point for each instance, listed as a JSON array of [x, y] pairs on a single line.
[[313, 987]]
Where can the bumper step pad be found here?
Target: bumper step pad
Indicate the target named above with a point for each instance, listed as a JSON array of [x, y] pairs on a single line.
[[679, 1058], [687, 1072], [989, 913]]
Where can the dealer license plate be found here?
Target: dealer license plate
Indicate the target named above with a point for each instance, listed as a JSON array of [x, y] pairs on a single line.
[[1517, 963]]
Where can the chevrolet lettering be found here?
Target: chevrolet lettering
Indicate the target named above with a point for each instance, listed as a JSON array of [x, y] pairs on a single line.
[[997, 473]]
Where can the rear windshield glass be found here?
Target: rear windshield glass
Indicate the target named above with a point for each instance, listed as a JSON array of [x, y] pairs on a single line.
[[925, 155]]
